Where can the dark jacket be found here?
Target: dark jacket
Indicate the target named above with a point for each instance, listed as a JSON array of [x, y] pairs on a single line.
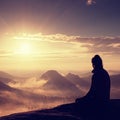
[[100, 87]]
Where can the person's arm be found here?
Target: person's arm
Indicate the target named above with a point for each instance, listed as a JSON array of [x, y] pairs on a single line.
[[91, 92]]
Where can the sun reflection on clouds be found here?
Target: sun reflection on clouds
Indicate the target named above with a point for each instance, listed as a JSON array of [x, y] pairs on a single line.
[[28, 51], [24, 44], [24, 49]]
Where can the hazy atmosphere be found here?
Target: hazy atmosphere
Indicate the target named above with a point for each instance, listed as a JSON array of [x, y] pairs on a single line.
[[46, 48]]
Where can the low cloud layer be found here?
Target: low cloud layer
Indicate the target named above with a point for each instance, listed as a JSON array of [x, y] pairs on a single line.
[[31, 94]]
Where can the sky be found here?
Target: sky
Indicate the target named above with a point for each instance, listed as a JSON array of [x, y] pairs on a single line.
[[59, 34]]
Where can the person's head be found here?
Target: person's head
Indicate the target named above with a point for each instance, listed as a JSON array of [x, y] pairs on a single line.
[[97, 62]]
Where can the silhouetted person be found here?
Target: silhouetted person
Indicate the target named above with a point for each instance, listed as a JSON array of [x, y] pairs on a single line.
[[100, 87]]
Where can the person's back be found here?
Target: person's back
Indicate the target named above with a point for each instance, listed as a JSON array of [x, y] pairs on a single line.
[[100, 87]]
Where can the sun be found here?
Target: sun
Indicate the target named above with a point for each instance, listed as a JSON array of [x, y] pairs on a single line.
[[24, 49], [23, 44]]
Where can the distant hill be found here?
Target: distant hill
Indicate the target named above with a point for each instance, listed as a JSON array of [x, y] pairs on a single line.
[[7, 92], [115, 80], [55, 81], [15, 100], [76, 80], [5, 75], [4, 87], [69, 86], [113, 72], [8, 95], [6, 80], [115, 86]]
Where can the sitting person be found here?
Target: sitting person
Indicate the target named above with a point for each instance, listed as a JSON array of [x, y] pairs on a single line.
[[100, 87]]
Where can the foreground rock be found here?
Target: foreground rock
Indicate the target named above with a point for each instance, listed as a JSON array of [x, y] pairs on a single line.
[[72, 111]]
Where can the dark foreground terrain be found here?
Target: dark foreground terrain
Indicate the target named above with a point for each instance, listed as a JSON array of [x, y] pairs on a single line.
[[73, 111]]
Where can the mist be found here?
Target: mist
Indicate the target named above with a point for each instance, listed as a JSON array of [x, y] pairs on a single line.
[[45, 90]]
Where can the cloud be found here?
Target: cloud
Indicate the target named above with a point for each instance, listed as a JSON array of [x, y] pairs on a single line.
[[5, 53], [115, 45], [29, 83], [61, 44], [53, 45], [91, 2], [110, 45], [105, 44]]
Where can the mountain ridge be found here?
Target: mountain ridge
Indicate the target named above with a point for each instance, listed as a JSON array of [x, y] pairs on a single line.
[[71, 111], [10, 95], [56, 81]]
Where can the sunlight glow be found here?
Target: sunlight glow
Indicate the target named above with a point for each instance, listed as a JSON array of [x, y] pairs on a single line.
[[24, 46], [24, 49]]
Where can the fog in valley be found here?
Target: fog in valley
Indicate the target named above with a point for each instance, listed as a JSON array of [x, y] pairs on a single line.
[[45, 90]]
